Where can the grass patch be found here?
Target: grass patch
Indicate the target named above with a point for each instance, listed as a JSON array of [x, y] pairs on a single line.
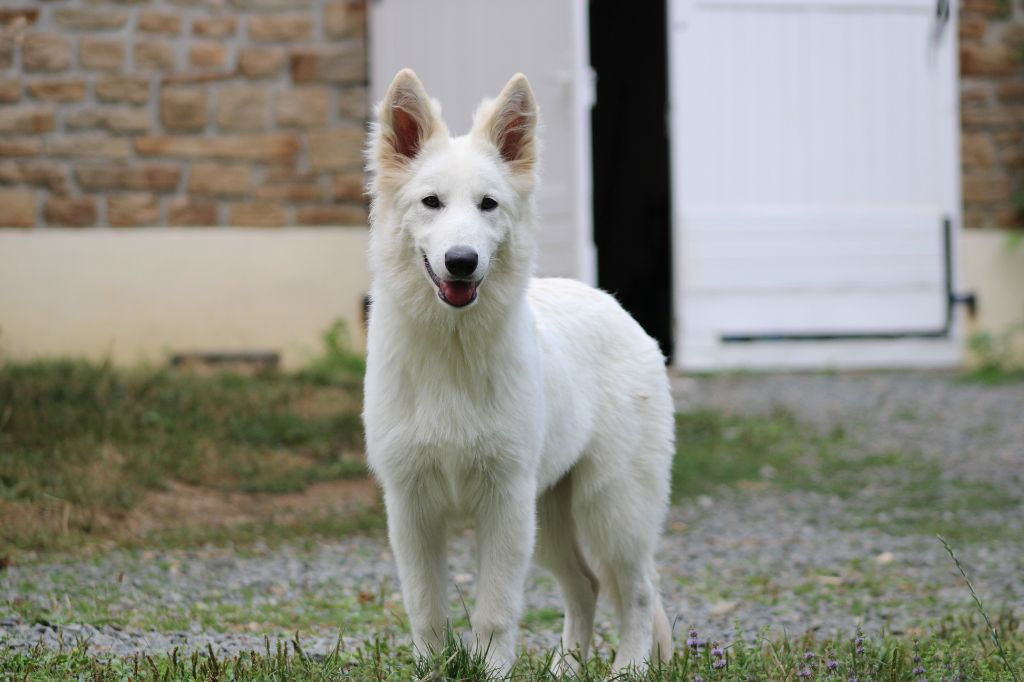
[[713, 449], [545, 618], [994, 376], [264, 608], [996, 356], [304, 532], [951, 653], [81, 444], [900, 493]]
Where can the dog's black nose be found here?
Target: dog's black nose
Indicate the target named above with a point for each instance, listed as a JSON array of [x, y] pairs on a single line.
[[460, 260]]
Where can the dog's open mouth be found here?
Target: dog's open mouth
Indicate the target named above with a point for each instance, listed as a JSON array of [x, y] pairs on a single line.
[[456, 293]]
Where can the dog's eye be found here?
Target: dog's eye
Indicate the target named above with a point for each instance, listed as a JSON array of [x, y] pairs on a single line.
[[488, 204], [431, 201]]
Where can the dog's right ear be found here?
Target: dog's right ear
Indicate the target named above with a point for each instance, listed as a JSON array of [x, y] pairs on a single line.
[[407, 118]]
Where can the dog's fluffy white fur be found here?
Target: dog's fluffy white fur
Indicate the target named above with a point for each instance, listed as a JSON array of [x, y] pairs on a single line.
[[540, 410]]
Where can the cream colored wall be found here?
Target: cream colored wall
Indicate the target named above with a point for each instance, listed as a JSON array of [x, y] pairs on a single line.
[[992, 266], [140, 295]]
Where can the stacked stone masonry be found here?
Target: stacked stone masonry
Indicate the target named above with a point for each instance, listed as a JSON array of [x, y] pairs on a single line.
[[252, 112], [182, 112], [992, 112]]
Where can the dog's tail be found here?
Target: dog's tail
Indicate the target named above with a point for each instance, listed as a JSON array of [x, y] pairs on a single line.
[[661, 644]]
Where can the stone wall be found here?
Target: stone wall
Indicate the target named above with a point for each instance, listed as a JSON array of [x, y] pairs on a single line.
[[252, 112], [992, 111], [182, 112]]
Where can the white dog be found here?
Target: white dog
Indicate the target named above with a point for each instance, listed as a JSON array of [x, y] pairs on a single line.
[[536, 408]]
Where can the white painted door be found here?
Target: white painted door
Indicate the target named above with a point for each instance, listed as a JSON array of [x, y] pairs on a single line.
[[464, 50], [815, 162]]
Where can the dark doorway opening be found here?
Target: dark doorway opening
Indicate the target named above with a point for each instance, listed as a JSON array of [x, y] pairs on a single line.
[[632, 206]]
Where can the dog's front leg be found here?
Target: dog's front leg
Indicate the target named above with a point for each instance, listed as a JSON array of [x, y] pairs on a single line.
[[418, 535], [505, 535]]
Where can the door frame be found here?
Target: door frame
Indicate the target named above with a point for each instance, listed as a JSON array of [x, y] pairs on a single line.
[[442, 42]]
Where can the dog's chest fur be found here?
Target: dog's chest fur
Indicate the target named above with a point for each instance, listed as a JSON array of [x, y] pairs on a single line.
[[459, 424]]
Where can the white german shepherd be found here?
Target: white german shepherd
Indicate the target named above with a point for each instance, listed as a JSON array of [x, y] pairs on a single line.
[[536, 408]]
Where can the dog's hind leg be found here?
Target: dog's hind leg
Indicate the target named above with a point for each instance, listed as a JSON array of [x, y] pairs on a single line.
[[636, 611], [558, 550], [619, 515]]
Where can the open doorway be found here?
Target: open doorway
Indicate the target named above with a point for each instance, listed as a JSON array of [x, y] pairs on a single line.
[[632, 206]]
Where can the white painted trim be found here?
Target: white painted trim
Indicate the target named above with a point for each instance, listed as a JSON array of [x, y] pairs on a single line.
[[584, 94], [821, 4]]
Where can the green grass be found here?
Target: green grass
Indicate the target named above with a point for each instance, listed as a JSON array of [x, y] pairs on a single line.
[[82, 444], [305, 532], [131, 598], [897, 492], [996, 356], [994, 375], [956, 652], [713, 448], [545, 618]]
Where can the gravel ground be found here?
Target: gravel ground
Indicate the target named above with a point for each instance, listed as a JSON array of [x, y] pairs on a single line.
[[755, 555], [975, 431]]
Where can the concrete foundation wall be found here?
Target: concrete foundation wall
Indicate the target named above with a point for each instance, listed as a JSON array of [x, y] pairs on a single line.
[[992, 266], [141, 296]]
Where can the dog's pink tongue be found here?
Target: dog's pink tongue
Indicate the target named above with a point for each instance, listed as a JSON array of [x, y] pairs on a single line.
[[458, 293]]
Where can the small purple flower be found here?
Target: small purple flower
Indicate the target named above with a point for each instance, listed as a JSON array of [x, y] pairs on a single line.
[[717, 652], [718, 664], [698, 678], [693, 642], [808, 655], [804, 672], [858, 642], [832, 665], [918, 668]]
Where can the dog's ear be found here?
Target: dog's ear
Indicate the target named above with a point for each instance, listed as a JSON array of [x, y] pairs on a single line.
[[510, 123], [407, 118]]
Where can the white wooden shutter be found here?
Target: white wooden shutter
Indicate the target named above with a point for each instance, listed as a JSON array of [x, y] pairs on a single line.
[[464, 50], [815, 164]]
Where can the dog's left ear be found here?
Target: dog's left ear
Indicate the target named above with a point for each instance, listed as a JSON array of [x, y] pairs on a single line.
[[509, 122]]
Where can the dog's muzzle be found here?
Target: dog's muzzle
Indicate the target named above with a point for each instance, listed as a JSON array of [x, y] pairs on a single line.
[[457, 293]]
